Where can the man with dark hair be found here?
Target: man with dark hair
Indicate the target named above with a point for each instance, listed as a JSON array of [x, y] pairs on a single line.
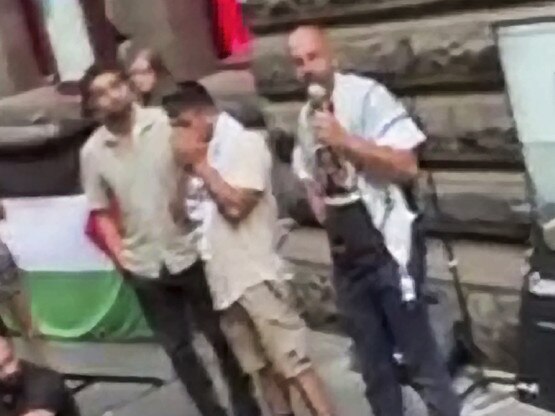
[[90, 75], [243, 269], [130, 158], [377, 268], [29, 390]]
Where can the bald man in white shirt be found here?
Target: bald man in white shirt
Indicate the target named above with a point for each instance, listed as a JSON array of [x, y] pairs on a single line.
[[356, 152]]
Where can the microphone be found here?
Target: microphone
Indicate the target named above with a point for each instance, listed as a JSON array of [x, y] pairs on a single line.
[[318, 97]]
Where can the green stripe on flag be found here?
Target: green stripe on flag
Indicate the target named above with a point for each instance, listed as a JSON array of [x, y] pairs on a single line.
[[94, 305]]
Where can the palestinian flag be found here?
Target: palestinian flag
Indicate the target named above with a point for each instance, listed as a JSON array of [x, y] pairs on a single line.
[[75, 291]]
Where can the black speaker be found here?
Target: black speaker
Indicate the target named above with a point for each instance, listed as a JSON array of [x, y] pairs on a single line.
[[536, 375]]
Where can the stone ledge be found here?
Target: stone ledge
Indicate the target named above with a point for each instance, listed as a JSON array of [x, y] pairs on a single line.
[[270, 16], [461, 128], [239, 61], [472, 204], [40, 105], [447, 52], [230, 82], [482, 265], [40, 117], [476, 203]]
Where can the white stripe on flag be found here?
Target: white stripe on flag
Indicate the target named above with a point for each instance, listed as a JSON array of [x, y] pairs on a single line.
[[48, 234]]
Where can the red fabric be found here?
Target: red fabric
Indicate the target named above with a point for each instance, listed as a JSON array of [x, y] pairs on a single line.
[[91, 227], [231, 34]]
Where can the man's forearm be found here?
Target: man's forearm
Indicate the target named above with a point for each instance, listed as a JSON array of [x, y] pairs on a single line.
[[109, 234], [231, 202], [392, 164], [315, 200]]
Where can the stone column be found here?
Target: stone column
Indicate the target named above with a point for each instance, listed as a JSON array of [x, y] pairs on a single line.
[[100, 30], [195, 54], [18, 67], [179, 30]]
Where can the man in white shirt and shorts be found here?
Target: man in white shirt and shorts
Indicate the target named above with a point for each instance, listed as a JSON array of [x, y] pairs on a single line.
[[243, 268]]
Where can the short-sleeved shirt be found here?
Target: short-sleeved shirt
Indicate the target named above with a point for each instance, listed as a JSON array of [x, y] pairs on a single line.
[[145, 180], [239, 256], [42, 389], [365, 108]]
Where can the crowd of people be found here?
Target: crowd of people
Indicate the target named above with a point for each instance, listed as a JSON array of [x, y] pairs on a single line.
[[181, 199]]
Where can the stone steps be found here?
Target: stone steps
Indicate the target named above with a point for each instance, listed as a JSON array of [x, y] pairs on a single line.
[[482, 205], [278, 15], [235, 91], [462, 129]]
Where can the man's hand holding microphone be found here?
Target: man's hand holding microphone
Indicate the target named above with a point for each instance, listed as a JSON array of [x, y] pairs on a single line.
[[327, 128]]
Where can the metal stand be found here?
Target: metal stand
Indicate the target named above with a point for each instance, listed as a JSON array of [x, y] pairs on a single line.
[[87, 380], [463, 330]]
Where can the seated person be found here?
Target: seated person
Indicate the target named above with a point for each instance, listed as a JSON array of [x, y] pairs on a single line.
[[12, 298], [29, 390]]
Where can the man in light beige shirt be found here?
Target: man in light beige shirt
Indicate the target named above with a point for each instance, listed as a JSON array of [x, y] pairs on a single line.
[[130, 159], [243, 268]]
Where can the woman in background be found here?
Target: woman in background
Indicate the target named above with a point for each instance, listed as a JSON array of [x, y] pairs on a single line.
[[150, 77]]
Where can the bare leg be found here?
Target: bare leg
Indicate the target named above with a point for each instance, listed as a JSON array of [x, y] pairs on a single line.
[[275, 392], [314, 393], [20, 311]]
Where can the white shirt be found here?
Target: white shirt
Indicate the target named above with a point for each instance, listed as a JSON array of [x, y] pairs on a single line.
[[365, 108], [242, 255], [144, 179]]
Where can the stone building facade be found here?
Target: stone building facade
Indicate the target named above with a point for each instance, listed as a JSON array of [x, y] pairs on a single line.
[[41, 44], [34, 42], [18, 69], [441, 58]]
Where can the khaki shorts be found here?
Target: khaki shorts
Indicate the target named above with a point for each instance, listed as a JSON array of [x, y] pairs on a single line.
[[261, 327]]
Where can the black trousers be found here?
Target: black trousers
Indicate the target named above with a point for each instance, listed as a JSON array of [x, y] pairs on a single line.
[[367, 283], [172, 305]]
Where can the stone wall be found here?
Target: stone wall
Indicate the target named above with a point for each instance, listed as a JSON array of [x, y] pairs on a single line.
[[179, 30], [440, 57], [18, 68]]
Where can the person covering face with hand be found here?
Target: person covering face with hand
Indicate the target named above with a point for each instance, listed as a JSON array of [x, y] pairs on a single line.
[[243, 269]]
